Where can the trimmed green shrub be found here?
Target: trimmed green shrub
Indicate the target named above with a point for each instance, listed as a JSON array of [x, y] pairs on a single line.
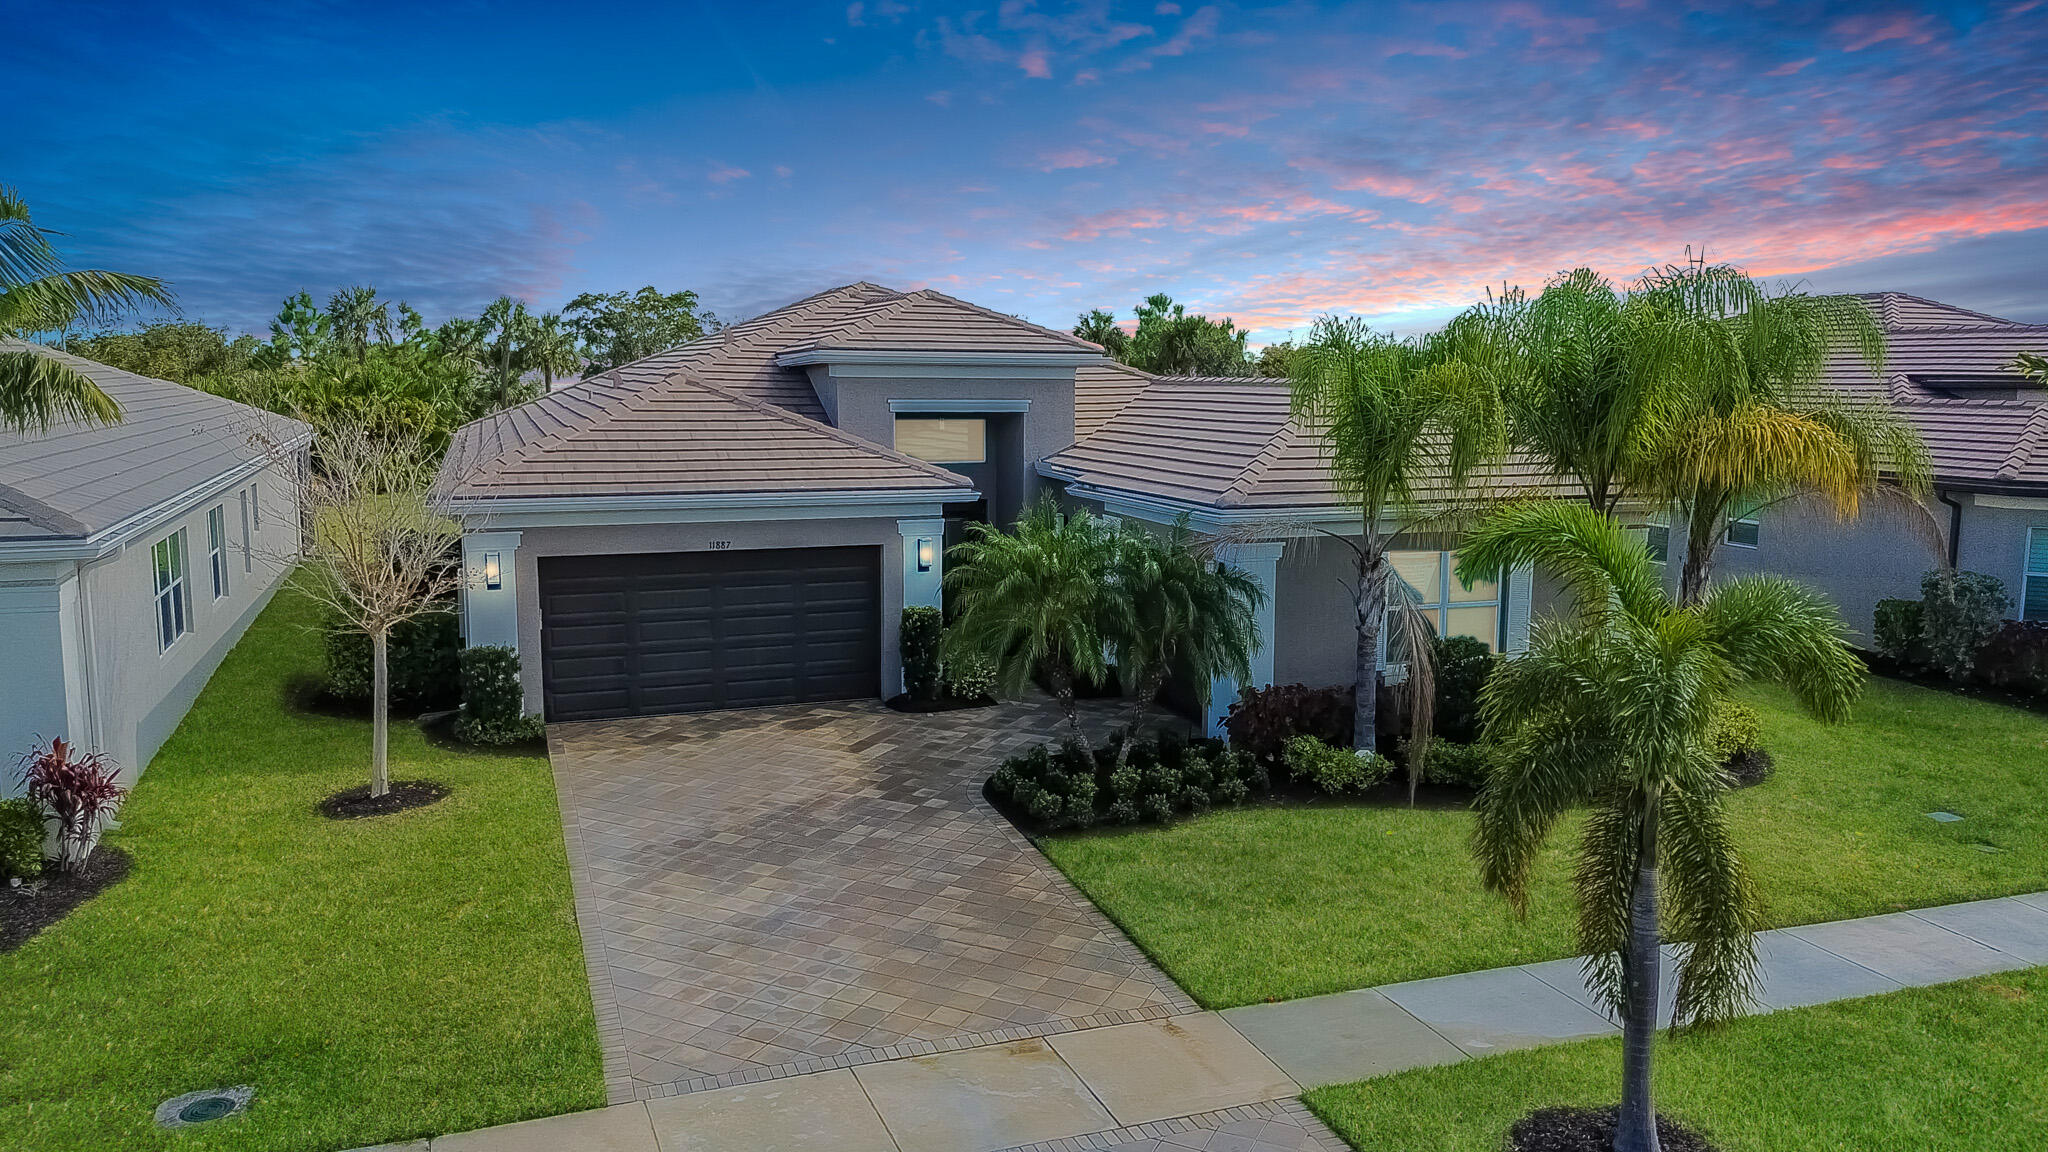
[[424, 658], [1463, 665], [1263, 720], [1336, 771], [493, 702], [1959, 611], [1736, 728], [1055, 788], [1895, 631], [971, 676], [917, 641], [22, 832], [1459, 765]]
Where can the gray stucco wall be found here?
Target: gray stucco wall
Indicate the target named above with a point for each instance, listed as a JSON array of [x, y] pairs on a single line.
[[1879, 555], [626, 539], [125, 696]]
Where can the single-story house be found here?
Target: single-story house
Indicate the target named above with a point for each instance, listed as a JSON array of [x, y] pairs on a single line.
[[739, 521], [132, 557], [1949, 372]]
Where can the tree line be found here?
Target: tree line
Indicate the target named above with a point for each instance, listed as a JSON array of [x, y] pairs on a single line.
[[1168, 340]]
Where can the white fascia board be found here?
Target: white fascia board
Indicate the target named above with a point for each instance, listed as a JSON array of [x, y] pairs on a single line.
[[883, 362], [2014, 503], [570, 511], [109, 540], [1211, 520], [914, 405]]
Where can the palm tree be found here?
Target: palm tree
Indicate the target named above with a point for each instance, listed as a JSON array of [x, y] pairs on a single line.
[[511, 326], [1190, 618], [356, 318], [1039, 600], [1099, 327], [1763, 427], [38, 294], [1609, 711], [552, 349], [2032, 364], [1402, 423]]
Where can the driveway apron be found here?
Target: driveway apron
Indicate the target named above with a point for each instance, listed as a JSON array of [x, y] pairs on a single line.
[[784, 890]]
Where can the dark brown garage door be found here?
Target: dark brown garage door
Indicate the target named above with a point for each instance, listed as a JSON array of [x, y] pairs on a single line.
[[692, 631]]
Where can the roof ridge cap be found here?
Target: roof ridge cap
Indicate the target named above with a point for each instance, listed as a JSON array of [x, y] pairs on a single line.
[[2023, 448], [41, 514], [1256, 471]]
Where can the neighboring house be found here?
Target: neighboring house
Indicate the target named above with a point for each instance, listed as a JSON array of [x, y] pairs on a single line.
[[740, 520], [1986, 427], [132, 556]]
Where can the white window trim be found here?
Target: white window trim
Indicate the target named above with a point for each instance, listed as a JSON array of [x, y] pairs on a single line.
[[2027, 572], [173, 587], [217, 548]]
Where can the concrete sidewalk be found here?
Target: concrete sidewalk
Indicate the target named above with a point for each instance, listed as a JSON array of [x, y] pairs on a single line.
[[1227, 1080]]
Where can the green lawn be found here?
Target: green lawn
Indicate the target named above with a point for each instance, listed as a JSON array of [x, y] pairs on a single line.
[[373, 980], [1952, 1067], [1278, 902]]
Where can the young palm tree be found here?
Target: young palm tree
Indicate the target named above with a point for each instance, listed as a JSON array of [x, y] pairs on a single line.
[[1190, 617], [38, 294], [1609, 712], [1402, 423], [1040, 600], [1763, 426]]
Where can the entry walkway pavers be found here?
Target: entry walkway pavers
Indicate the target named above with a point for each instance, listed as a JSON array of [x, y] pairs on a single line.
[[1227, 1082], [787, 890]]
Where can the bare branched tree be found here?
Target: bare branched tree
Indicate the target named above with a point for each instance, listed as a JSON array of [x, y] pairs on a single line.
[[379, 547]]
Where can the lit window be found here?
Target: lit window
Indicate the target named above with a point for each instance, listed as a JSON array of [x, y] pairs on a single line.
[[949, 440], [168, 556], [1743, 530], [2034, 583], [1451, 608], [217, 548]]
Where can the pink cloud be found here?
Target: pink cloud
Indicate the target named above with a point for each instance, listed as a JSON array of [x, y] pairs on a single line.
[[1065, 158], [726, 174], [1035, 64]]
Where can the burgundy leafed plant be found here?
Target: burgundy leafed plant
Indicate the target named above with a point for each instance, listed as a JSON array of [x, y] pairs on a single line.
[[78, 789]]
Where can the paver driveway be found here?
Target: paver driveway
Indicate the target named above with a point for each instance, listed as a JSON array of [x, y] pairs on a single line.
[[782, 890]]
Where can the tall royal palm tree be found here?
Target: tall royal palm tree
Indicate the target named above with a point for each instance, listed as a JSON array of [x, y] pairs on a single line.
[[1764, 426], [38, 294], [1191, 617], [1608, 712], [1040, 600], [1403, 425]]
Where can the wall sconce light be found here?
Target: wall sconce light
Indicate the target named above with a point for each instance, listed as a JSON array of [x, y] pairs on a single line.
[[493, 578], [924, 554]]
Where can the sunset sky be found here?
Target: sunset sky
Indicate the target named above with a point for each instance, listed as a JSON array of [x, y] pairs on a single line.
[[1266, 162]]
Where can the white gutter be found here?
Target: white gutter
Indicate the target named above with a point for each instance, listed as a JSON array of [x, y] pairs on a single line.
[[510, 510]]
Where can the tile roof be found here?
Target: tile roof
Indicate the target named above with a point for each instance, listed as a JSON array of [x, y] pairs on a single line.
[[76, 479], [1948, 370], [721, 414]]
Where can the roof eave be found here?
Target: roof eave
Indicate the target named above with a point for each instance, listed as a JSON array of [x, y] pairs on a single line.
[[805, 357]]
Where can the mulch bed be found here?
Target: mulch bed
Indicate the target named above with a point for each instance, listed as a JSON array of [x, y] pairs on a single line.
[[1749, 767], [1592, 1130], [356, 803], [1930, 678], [902, 702], [34, 906]]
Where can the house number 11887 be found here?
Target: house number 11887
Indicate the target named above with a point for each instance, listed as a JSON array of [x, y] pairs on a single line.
[[720, 545]]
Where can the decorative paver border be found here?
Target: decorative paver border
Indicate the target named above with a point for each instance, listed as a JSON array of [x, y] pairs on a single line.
[[611, 1027]]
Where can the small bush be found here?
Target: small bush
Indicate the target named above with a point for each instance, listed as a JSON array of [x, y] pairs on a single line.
[[1459, 765], [971, 676], [1736, 728], [1959, 611], [1336, 771], [1160, 779], [1263, 720], [1463, 665], [22, 831], [493, 701], [917, 640], [2016, 658], [79, 790], [423, 658], [1895, 631]]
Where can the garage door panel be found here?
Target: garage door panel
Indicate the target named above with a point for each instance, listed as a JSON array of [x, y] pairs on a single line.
[[681, 632]]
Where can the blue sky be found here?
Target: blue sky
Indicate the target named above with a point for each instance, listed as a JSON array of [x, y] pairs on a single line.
[[1268, 162]]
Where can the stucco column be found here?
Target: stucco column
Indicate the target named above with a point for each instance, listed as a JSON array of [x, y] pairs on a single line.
[[1261, 562], [490, 590]]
